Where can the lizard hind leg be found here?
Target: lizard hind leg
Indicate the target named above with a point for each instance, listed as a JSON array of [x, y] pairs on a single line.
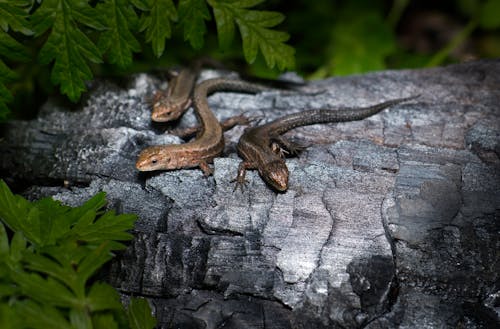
[[284, 146], [207, 170]]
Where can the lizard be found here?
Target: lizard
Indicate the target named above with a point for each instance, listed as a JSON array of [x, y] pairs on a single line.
[[262, 147], [208, 143], [170, 104]]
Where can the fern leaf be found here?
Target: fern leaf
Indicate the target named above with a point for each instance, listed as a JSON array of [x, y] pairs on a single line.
[[54, 251], [156, 24], [12, 49], [255, 31], [67, 45], [117, 41], [39, 316], [192, 17], [6, 75], [103, 297], [14, 15]]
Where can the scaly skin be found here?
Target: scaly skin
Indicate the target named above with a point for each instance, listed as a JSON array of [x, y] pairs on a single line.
[[257, 145], [209, 142], [170, 104]]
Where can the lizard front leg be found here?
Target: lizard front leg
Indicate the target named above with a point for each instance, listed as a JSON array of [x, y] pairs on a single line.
[[240, 180]]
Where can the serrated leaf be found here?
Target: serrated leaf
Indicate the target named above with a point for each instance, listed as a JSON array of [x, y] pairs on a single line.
[[489, 17], [156, 24], [47, 290], [69, 252], [264, 18], [139, 314], [88, 16], [6, 75], [31, 227], [45, 265], [141, 4], [12, 208], [67, 46], [102, 297], [93, 261], [255, 33], [246, 3], [271, 44], [104, 321], [53, 278], [92, 205], [86, 220], [4, 242], [9, 319], [17, 246], [15, 17], [53, 220], [192, 17], [7, 290], [225, 26], [44, 17], [80, 319], [117, 41], [107, 227], [12, 49], [41, 316]]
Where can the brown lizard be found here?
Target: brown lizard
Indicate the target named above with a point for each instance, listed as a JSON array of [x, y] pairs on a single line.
[[170, 104], [261, 147], [209, 141]]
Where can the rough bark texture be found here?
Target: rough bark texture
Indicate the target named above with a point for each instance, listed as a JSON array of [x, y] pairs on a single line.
[[389, 222]]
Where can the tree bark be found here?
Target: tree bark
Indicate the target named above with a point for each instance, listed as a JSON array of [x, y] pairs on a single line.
[[389, 222]]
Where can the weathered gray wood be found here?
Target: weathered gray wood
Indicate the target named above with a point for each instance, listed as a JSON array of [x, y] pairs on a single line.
[[390, 222]]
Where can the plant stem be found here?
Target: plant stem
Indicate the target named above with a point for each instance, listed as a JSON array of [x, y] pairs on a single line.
[[397, 9], [458, 39]]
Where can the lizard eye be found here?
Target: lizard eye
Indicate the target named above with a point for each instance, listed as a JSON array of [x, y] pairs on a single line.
[[154, 161]]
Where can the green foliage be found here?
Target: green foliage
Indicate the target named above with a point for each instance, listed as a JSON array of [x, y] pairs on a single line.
[[483, 14], [354, 36], [67, 46], [490, 14], [12, 17], [139, 314], [72, 40], [361, 44], [254, 28], [192, 15], [157, 23], [117, 41], [47, 263], [74, 35]]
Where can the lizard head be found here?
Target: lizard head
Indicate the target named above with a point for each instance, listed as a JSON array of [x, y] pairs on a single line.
[[168, 108], [164, 157], [275, 173]]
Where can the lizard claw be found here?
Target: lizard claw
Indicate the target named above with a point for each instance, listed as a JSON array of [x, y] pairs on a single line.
[[277, 149], [239, 184]]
